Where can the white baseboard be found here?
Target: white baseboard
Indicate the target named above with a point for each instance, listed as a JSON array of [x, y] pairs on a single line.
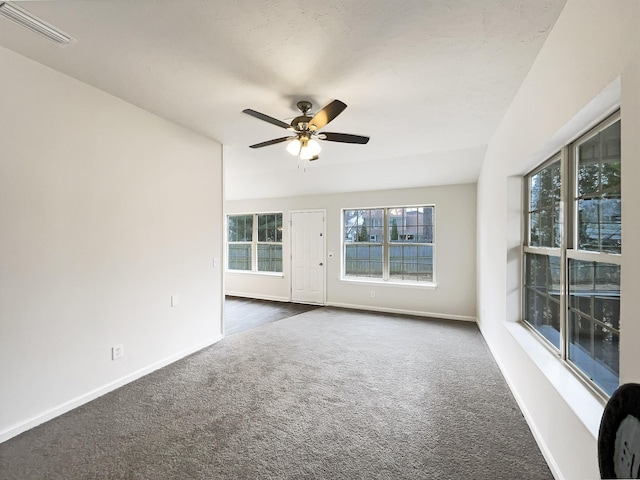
[[98, 392], [546, 453], [402, 311], [273, 298]]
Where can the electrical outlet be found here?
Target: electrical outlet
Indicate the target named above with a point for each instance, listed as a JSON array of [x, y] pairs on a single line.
[[117, 352], [373, 293], [175, 300]]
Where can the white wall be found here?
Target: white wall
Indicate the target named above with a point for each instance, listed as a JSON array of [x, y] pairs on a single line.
[[454, 296], [105, 212], [589, 63]]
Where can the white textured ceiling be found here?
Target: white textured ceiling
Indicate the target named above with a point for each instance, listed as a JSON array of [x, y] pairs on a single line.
[[427, 80]]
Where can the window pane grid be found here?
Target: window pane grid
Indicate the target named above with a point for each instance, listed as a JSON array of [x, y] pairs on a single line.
[[240, 228], [411, 262], [255, 242], [545, 214], [363, 226], [363, 260], [270, 228], [542, 296], [269, 257], [239, 256], [404, 253], [578, 312], [598, 193]]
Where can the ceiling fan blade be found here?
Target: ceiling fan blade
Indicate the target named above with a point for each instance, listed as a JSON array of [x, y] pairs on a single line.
[[266, 118], [344, 138], [271, 142], [327, 114]]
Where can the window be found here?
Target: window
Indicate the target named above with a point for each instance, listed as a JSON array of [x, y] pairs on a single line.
[[254, 242], [389, 244], [573, 252], [240, 244]]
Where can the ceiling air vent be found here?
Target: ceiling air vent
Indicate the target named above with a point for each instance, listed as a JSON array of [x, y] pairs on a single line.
[[33, 23]]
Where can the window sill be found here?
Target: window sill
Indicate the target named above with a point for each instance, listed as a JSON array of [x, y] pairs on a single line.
[[261, 274], [587, 406], [391, 283]]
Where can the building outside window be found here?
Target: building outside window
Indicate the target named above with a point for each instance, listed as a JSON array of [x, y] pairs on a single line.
[[254, 242], [573, 253], [389, 244]]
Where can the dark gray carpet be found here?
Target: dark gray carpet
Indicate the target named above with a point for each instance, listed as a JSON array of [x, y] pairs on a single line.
[[328, 394]]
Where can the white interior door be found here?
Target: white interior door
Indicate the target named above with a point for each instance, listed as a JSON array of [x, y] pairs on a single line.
[[307, 257]]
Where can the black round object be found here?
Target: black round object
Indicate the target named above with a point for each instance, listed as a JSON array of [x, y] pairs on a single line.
[[619, 435]]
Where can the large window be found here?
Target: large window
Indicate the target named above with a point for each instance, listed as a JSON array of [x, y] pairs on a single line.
[[573, 252], [254, 242], [389, 244]]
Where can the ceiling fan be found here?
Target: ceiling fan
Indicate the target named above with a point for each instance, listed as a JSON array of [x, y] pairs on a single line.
[[305, 130]]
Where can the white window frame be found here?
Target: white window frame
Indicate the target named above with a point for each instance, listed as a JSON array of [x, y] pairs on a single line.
[[385, 243], [568, 247], [254, 244]]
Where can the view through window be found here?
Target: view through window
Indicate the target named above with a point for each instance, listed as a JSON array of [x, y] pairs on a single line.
[[254, 242], [389, 244], [574, 232]]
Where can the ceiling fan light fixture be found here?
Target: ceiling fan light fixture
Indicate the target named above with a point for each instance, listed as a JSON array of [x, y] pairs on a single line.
[[294, 147], [305, 155], [304, 147], [33, 23], [310, 150]]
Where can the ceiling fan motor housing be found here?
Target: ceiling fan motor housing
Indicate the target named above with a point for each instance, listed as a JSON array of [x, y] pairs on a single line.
[[302, 122], [304, 106]]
